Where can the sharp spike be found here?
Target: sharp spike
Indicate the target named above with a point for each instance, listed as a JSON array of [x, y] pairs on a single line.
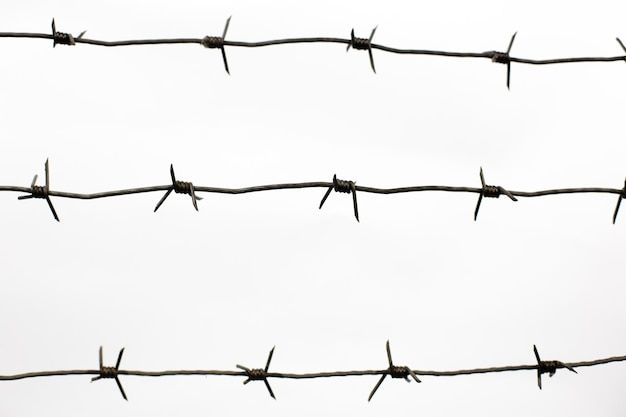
[[193, 197], [46, 166], [225, 61], [619, 202], [414, 376], [269, 359], [119, 385], [167, 193], [372, 34], [330, 189], [511, 43], [536, 354], [480, 199], [172, 173], [119, 358], [380, 381], [267, 385], [621, 44], [508, 75], [100, 357], [226, 27], [351, 40], [354, 204], [389, 354], [54, 212], [369, 51], [32, 184]]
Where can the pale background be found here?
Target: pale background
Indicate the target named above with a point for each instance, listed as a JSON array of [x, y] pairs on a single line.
[[181, 289]]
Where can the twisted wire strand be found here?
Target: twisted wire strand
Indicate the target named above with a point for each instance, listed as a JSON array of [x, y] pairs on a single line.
[[310, 375], [220, 42], [317, 39], [317, 184]]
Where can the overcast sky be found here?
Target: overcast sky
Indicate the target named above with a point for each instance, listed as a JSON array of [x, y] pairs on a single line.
[[207, 290]]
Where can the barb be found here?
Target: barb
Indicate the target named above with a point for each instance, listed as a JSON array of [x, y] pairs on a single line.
[[217, 42], [110, 372], [364, 44], [619, 202], [395, 372], [490, 191], [180, 187], [540, 367], [549, 367], [37, 191], [341, 186], [260, 374], [354, 42]]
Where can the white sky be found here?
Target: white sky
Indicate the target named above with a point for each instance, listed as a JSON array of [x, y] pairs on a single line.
[[181, 289]]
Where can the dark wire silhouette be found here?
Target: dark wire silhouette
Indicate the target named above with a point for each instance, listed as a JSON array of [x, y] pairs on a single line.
[[403, 372], [365, 44], [337, 185]]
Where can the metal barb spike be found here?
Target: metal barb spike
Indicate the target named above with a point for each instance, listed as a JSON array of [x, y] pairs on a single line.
[[508, 64], [191, 191], [345, 187], [222, 48], [393, 371], [110, 372], [42, 192], [490, 191], [619, 202], [363, 44], [622, 45], [549, 367], [260, 374]]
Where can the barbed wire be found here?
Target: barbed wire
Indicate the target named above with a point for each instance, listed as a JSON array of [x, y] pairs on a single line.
[[263, 374], [337, 185], [365, 44]]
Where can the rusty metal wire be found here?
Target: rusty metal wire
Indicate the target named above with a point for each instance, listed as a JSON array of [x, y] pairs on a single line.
[[366, 44], [263, 374], [341, 186]]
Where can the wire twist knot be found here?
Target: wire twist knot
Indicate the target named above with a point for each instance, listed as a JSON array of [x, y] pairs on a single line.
[[38, 191], [256, 374], [399, 371], [213, 42], [108, 372], [62, 38], [362, 44], [183, 187], [500, 57], [492, 191], [343, 186]]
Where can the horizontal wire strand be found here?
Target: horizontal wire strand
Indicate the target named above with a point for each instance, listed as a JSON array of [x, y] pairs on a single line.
[[304, 40], [332, 374]]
